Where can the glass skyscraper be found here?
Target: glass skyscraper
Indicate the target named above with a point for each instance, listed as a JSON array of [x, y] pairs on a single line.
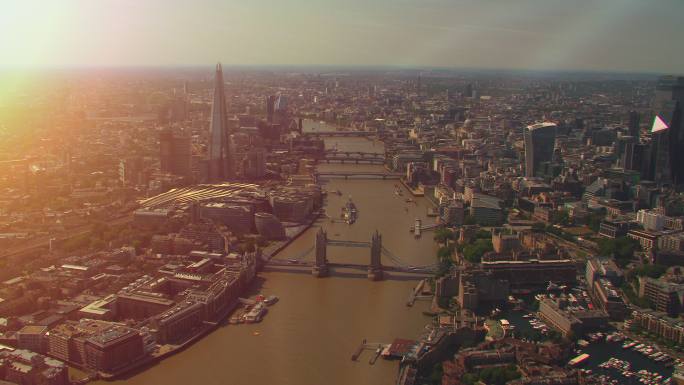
[[220, 165], [540, 140]]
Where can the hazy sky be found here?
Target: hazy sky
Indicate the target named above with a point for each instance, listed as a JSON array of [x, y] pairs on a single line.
[[632, 35]]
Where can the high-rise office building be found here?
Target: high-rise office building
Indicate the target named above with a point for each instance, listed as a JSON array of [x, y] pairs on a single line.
[[175, 153], [255, 163], [468, 91], [130, 171], [667, 143], [220, 164], [281, 103], [270, 108], [633, 124], [540, 140], [625, 152]]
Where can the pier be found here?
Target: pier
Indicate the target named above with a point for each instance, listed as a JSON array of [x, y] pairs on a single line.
[[375, 347], [414, 293]]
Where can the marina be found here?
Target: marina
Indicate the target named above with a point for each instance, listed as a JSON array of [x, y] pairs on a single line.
[[637, 364]]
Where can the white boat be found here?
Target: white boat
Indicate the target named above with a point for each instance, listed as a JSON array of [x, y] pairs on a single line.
[[255, 314]]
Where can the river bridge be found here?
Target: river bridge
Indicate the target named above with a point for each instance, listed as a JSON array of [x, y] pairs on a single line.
[[357, 174], [359, 154], [357, 157], [340, 134], [355, 160], [320, 266]]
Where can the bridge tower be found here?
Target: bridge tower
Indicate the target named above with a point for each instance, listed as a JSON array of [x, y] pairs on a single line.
[[320, 267], [375, 272]]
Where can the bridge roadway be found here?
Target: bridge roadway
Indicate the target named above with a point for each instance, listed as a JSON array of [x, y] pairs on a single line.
[[341, 133], [355, 160], [359, 174], [355, 154], [357, 266]]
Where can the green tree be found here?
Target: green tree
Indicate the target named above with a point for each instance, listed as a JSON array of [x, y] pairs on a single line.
[[561, 217], [442, 235], [594, 220], [469, 220], [621, 248], [474, 251]]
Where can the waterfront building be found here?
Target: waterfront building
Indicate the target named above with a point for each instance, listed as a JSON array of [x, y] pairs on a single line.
[[667, 297], [539, 142], [533, 272], [452, 212], [660, 324], [33, 338], [478, 287], [292, 207], [141, 305], [22, 366], [603, 268], [102, 309], [113, 349], [678, 375], [97, 345], [570, 322], [606, 296], [220, 156], [177, 323], [401, 160], [269, 226]]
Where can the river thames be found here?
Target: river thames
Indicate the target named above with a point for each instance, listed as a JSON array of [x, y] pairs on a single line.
[[308, 337]]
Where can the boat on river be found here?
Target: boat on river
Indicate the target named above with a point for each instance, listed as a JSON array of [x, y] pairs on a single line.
[[349, 212]]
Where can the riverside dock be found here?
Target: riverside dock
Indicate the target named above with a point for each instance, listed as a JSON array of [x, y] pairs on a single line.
[[414, 294], [376, 347]]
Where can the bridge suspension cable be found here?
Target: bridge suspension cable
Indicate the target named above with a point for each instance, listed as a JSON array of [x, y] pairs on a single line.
[[401, 263], [347, 243], [300, 256]]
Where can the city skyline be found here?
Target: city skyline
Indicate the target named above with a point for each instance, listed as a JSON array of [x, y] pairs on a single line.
[[611, 35], [491, 191]]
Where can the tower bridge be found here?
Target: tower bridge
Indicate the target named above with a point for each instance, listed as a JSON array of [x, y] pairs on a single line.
[[375, 270]]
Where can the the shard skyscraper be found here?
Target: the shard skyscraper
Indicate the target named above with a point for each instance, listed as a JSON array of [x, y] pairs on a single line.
[[220, 164]]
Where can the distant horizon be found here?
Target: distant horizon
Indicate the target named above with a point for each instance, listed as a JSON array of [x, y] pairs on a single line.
[[621, 36], [330, 68]]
